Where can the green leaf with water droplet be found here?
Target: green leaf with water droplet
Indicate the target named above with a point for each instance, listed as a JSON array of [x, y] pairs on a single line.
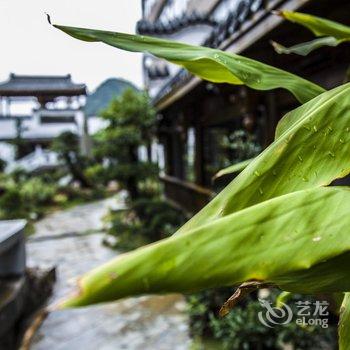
[[271, 242], [209, 64]]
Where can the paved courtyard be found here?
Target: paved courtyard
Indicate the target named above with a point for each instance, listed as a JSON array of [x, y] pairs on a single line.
[[71, 241]]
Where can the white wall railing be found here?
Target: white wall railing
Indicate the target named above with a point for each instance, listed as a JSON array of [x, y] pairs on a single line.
[[39, 159]]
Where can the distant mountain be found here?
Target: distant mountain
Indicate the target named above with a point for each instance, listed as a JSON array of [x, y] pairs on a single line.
[[100, 98]]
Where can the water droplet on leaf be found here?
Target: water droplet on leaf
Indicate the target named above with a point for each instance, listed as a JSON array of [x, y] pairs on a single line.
[[257, 173]]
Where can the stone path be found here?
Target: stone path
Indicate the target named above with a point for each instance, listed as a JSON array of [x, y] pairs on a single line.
[[148, 323], [80, 219]]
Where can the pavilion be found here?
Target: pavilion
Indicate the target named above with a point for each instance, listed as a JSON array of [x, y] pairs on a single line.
[[53, 105]]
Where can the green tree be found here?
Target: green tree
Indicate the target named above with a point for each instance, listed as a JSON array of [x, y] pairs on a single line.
[[67, 147], [131, 121], [2, 165]]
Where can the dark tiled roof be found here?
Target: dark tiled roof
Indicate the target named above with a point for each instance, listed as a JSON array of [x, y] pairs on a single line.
[[14, 116], [169, 27], [222, 31], [235, 18], [31, 85]]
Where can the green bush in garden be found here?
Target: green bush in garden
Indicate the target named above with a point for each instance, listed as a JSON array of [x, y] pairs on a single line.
[[67, 147], [19, 175], [38, 193], [2, 165], [25, 197], [31, 196], [242, 144], [97, 174], [241, 329], [147, 220], [12, 205], [277, 222]]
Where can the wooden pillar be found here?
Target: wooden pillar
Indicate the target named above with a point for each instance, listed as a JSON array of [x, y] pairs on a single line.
[[168, 154], [178, 151]]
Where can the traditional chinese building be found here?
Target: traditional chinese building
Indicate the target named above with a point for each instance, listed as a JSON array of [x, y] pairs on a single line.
[[204, 127], [39, 108]]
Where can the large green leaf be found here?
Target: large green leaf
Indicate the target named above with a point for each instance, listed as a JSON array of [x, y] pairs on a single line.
[[332, 33], [209, 64], [344, 324], [240, 235], [305, 233], [311, 150]]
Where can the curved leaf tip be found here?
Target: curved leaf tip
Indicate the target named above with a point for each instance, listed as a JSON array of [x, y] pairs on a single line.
[[48, 18], [331, 33]]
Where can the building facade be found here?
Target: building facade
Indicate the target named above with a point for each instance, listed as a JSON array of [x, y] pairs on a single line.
[[204, 127], [37, 109]]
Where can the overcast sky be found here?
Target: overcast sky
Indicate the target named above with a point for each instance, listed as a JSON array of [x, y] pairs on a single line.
[[29, 45]]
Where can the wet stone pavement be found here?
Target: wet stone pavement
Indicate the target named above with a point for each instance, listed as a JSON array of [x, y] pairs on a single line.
[[70, 240]]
